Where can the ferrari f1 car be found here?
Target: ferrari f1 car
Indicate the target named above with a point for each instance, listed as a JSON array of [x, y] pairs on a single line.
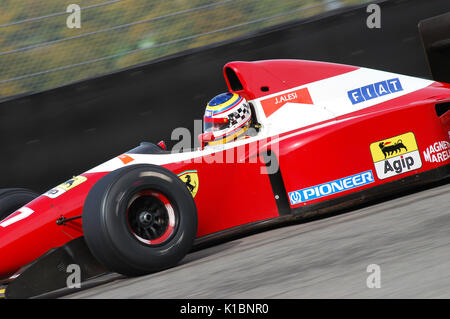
[[329, 136]]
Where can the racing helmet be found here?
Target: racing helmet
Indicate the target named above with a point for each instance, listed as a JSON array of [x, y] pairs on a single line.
[[227, 118]]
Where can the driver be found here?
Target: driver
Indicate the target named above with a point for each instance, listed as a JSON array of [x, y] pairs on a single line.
[[227, 118]]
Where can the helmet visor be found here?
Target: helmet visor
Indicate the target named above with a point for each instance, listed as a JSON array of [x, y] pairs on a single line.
[[214, 124]]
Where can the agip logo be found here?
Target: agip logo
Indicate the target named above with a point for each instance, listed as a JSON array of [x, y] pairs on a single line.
[[395, 155], [190, 179]]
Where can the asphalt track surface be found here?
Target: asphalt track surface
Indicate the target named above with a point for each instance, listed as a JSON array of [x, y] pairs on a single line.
[[408, 237]]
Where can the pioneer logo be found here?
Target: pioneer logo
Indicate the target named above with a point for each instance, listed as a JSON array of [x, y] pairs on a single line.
[[395, 155], [331, 188]]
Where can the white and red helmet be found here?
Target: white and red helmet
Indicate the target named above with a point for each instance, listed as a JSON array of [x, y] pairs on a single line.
[[227, 118]]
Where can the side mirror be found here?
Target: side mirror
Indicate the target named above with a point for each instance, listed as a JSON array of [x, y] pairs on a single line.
[[162, 144]]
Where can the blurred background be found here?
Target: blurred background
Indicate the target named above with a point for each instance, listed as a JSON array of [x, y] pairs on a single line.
[[38, 51]]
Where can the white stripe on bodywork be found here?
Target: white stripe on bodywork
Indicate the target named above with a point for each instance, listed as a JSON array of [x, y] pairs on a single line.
[[331, 95], [329, 98], [23, 213], [337, 101]]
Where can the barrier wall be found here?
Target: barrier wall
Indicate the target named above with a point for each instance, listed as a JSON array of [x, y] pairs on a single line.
[[48, 137]]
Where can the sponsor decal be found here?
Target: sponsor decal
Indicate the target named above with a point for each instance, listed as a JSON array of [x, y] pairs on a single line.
[[66, 186], [55, 192], [374, 90], [20, 214], [331, 188], [190, 178], [73, 182], [125, 158], [438, 152], [270, 105], [395, 155]]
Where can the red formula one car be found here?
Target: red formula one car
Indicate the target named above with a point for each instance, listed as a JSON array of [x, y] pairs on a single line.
[[328, 136]]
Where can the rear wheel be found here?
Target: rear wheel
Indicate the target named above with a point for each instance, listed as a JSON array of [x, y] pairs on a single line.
[[139, 219], [11, 199]]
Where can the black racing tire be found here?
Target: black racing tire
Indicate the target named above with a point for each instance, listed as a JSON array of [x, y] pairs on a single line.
[[11, 199], [113, 226]]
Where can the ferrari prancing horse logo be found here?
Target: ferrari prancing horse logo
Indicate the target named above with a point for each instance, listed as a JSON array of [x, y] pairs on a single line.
[[190, 179]]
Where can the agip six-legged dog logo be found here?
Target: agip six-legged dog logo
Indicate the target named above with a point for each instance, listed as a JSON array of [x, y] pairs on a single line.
[[392, 149], [395, 155]]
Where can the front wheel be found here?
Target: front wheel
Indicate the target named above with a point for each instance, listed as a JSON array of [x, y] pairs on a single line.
[[139, 219], [11, 199]]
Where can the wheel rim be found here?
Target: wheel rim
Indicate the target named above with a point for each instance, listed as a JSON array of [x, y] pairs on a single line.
[[151, 217]]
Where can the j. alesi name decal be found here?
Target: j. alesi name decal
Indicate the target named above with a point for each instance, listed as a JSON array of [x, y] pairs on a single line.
[[270, 105], [331, 188], [395, 155], [374, 90], [438, 152]]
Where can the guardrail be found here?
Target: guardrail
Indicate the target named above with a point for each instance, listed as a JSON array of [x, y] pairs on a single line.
[[41, 52]]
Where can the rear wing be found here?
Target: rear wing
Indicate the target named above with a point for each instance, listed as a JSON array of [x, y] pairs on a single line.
[[435, 34]]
